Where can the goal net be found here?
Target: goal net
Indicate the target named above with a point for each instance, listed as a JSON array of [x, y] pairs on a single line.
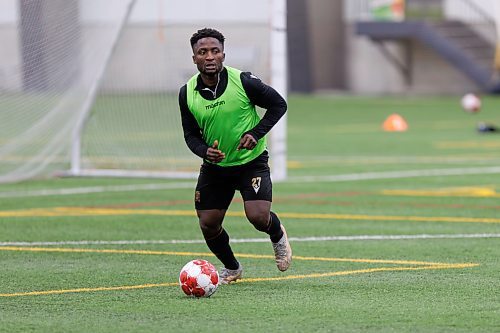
[[90, 87]]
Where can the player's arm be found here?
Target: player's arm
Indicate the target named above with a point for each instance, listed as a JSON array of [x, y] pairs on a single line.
[[193, 133], [267, 98], [190, 127]]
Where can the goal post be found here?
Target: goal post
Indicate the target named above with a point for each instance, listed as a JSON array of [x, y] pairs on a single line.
[[163, 153], [279, 79], [102, 98], [76, 142], [50, 60]]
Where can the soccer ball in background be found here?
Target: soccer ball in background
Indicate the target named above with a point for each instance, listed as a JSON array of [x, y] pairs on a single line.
[[199, 278], [471, 103]]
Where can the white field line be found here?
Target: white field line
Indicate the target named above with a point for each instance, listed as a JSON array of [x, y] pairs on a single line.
[[97, 189], [297, 179], [395, 174], [256, 240], [489, 158]]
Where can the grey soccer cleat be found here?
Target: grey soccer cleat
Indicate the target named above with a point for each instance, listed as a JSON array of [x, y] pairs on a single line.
[[226, 276], [283, 252]]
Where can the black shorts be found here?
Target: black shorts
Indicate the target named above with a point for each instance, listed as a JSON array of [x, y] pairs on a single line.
[[216, 185]]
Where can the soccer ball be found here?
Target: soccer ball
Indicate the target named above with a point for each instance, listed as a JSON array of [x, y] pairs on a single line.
[[471, 103], [199, 278]]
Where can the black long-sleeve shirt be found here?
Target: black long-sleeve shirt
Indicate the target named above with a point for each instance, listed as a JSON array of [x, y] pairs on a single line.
[[259, 93]]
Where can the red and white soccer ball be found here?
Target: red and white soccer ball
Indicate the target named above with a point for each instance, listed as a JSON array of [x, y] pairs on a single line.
[[471, 103], [199, 278]]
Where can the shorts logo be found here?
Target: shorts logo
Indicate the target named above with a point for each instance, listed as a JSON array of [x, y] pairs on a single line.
[[256, 184], [197, 196]]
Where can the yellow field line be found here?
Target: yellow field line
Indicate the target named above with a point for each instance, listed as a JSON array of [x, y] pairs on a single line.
[[115, 251], [82, 290], [392, 218], [81, 211], [478, 192], [248, 280], [359, 271], [423, 266], [370, 261], [205, 254]]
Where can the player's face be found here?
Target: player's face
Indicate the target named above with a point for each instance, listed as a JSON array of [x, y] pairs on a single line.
[[208, 55]]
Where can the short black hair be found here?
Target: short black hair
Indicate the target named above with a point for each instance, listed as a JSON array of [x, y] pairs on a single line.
[[207, 32]]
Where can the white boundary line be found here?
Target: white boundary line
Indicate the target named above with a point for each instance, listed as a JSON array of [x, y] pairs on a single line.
[[395, 174], [297, 179], [96, 189], [257, 240]]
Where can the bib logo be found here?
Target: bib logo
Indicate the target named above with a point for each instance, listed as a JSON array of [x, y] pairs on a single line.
[[214, 105], [256, 184]]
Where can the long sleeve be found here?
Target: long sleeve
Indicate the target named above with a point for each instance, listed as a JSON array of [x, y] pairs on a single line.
[[192, 131], [267, 98]]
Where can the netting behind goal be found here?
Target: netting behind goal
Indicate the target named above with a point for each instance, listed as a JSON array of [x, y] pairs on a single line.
[[93, 88]]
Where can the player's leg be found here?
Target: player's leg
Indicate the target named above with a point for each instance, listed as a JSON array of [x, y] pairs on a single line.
[[258, 212], [263, 219], [212, 198], [215, 236], [256, 189], [217, 241]]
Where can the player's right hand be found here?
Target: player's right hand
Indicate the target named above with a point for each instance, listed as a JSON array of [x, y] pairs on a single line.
[[214, 155]]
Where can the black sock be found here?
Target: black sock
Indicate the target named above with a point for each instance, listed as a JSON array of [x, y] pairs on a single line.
[[274, 231], [220, 247]]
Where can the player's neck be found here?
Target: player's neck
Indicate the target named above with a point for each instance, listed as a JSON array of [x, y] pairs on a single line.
[[210, 87], [210, 80]]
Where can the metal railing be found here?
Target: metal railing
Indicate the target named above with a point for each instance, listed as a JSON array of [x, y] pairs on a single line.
[[429, 10]]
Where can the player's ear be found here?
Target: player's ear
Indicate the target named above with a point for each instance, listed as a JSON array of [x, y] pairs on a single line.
[[194, 59], [223, 56]]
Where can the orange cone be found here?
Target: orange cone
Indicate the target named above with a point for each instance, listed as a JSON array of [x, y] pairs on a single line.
[[395, 123]]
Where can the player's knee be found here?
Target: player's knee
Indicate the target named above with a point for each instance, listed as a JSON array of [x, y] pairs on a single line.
[[211, 217], [260, 220], [205, 226], [209, 230], [210, 224]]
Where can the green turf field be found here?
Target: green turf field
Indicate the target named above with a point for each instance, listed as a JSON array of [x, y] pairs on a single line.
[[391, 232]]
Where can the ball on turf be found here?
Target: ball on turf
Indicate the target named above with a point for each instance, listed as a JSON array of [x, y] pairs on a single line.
[[199, 278], [471, 103]]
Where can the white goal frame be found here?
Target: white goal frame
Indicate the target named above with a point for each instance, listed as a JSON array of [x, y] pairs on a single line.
[[277, 136]]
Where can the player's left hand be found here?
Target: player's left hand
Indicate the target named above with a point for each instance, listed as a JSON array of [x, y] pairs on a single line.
[[247, 142]]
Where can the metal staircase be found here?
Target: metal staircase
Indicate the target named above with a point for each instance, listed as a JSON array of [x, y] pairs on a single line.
[[455, 41]]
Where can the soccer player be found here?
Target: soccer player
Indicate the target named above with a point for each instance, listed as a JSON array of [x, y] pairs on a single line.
[[221, 126]]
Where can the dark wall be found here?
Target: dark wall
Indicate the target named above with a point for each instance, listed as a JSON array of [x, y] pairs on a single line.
[[316, 45], [299, 58]]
